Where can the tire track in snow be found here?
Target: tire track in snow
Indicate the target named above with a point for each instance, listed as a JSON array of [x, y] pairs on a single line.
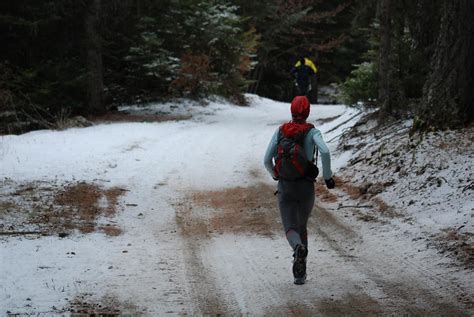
[[206, 297], [226, 270], [230, 271], [240, 264], [405, 283]]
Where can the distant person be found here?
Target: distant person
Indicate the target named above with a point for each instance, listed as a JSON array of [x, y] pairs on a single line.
[[303, 71], [290, 160]]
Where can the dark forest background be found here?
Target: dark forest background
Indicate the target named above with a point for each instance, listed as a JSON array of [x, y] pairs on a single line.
[[62, 58]]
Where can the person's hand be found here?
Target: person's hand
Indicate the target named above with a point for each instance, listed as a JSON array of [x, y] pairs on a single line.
[[330, 183]]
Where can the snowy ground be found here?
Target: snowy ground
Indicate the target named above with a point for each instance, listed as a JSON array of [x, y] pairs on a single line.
[[426, 179], [195, 225]]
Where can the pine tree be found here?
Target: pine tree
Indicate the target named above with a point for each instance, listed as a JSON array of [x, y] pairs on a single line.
[[192, 49], [448, 95], [385, 95], [42, 52], [93, 47]]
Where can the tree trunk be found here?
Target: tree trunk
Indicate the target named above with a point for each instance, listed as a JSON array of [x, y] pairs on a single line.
[[384, 72], [139, 8], [448, 94], [95, 85]]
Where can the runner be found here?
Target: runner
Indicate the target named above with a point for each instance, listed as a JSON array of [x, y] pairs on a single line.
[[290, 160], [303, 71]]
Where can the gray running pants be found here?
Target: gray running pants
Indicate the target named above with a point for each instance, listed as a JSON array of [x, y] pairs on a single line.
[[295, 200]]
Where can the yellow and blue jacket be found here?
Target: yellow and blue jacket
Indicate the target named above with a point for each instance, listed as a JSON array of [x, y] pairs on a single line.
[[309, 63]]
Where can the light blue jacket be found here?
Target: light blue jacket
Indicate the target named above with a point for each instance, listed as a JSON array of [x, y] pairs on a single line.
[[313, 139]]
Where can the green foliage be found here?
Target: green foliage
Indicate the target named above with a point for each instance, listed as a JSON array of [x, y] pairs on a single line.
[[210, 33], [160, 49], [216, 33], [41, 52], [148, 48], [360, 86], [148, 61]]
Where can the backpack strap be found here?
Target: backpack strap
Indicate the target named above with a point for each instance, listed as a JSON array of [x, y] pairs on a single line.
[[315, 149], [313, 159]]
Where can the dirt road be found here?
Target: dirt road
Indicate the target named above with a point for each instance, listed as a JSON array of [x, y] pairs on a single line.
[[194, 230], [237, 263], [223, 252]]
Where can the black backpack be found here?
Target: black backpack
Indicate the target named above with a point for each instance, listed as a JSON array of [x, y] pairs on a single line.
[[291, 162]]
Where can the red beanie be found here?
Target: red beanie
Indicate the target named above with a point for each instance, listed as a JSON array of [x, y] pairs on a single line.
[[300, 107]]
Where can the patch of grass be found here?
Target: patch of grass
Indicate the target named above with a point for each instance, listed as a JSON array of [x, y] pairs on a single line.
[[82, 199], [323, 194], [367, 217], [111, 230], [84, 305], [385, 209], [81, 208], [112, 195], [367, 193], [459, 244], [249, 210], [54, 209], [354, 192]]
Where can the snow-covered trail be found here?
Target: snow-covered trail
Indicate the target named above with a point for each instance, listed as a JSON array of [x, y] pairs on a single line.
[[350, 271], [201, 232]]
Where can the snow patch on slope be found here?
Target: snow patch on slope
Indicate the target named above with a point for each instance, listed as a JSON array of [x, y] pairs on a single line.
[[428, 178]]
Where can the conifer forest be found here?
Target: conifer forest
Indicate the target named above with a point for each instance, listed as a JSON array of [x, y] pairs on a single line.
[[291, 158], [86, 57]]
